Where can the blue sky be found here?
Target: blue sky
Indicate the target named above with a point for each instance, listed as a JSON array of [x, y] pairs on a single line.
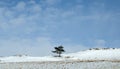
[[34, 27]]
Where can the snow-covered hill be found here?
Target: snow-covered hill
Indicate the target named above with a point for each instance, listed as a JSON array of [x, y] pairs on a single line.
[[95, 54], [90, 59], [108, 54]]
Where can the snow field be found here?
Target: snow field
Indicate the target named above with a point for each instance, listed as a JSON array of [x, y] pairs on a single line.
[[61, 65], [88, 55], [89, 59]]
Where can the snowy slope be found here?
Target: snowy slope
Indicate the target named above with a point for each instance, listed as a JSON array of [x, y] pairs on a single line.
[[101, 54], [29, 59], [88, 55]]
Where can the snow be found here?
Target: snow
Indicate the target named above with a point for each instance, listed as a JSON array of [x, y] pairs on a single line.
[[102, 54], [61, 65], [88, 59], [88, 55], [28, 59]]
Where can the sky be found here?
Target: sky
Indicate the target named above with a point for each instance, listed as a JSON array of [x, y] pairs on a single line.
[[35, 27]]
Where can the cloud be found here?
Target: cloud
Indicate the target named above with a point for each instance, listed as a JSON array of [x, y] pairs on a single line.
[[16, 17], [40, 46], [51, 2], [24, 13], [73, 48], [100, 43], [20, 6], [31, 27], [32, 2]]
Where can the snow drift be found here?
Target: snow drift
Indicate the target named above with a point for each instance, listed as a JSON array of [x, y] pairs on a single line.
[[90, 59], [96, 54]]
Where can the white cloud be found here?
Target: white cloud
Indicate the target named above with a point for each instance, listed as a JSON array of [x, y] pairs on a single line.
[[72, 48], [27, 18], [21, 20], [51, 2], [36, 9], [79, 1], [20, 6], [32, 2], [40, 46], [100, 43], [3, 26], [49, 15], [11, 19]]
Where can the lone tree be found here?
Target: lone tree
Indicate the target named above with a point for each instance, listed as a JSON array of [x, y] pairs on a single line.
[[59, 50]]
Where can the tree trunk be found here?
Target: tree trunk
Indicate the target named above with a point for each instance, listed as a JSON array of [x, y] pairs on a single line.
[[59, 55]]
